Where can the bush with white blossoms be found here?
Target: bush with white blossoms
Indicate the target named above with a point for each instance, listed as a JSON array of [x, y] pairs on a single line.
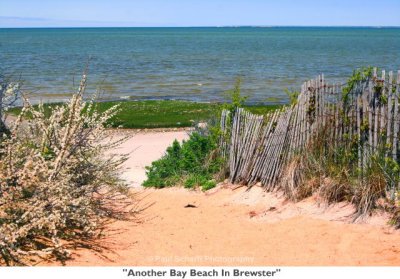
[[57, 186], [9, 95]]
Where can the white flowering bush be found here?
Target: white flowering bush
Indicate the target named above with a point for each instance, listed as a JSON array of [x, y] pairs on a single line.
[[57, 186], [9, 95]]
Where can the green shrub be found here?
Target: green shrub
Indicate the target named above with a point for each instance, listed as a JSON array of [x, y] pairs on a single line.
[[192, 163], [209, 185], [190, 182], [197, 180], [237, 99], [293, 96], [359, 75]]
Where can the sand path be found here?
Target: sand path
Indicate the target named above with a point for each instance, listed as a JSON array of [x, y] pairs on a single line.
[[145, 147], [235, 227]]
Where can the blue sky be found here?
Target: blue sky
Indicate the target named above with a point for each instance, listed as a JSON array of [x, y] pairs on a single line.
[[90, 13]]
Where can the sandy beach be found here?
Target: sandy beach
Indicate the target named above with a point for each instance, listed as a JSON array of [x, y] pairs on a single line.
[[145, 147], [233, 226]]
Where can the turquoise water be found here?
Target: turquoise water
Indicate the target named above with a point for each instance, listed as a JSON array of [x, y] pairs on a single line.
[[190, 63]]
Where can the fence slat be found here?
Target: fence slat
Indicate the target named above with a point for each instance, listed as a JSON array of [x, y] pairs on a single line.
[[396, 121], [389, 113]]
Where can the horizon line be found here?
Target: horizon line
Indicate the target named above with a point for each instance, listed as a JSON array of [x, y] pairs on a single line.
[[209, 26]]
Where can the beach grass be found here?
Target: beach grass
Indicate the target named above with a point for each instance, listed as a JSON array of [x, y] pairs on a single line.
[[161, 114]]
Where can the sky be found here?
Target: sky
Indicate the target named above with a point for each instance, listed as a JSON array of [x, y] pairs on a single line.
[[164, 13]]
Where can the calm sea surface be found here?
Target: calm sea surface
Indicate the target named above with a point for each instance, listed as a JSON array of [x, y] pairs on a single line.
[[190, 63]]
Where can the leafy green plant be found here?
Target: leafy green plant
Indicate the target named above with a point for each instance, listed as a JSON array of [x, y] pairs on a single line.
[[196, 180], [191, 163], [209, 185], [237, 100], [292, 95], [190, 182], [358, 76]]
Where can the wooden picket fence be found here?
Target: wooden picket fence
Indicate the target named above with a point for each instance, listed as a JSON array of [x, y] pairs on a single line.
[[258, 148]]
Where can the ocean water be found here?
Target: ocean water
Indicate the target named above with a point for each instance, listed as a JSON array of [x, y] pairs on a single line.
[[197, 64]]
